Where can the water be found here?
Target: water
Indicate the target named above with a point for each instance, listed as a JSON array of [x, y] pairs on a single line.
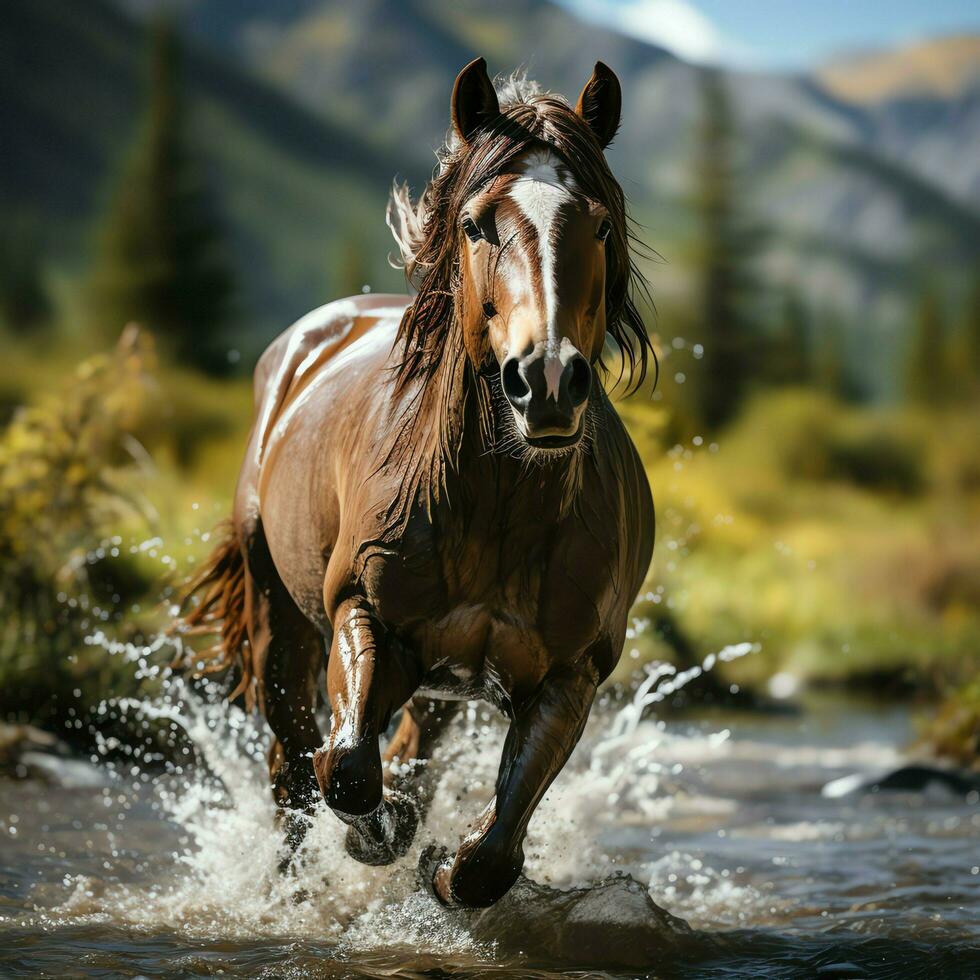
[[718, 821]]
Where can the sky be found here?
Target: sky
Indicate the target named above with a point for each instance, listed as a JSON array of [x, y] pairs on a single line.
[[781, 34]]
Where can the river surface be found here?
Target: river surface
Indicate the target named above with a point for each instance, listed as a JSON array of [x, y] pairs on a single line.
[[701, 846]]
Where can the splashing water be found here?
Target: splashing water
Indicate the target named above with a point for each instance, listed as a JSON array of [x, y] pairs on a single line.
[[180, 846], [228, 879]]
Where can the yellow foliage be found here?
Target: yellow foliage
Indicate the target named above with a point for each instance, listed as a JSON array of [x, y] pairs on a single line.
[[844, 540]]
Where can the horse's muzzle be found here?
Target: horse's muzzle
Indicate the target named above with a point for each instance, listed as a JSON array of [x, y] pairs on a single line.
[[548, 392]]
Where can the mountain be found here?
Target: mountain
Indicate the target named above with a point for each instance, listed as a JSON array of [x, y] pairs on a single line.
[[305, 109], [856, 196], [941, 68], [388, 65], [292, 187], [921, 106]]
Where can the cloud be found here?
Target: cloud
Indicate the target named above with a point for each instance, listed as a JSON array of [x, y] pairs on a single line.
[[675, 25]]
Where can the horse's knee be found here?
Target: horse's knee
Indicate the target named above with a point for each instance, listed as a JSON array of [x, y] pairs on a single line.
[[351, 780]]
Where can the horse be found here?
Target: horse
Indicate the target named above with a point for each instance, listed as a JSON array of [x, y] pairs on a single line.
[[438, 500]]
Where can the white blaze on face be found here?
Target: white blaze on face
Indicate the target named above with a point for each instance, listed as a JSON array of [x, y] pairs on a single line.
[[543, 187]]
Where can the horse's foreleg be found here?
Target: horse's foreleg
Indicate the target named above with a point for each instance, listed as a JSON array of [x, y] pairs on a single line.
[[368, 678], [542, 735]]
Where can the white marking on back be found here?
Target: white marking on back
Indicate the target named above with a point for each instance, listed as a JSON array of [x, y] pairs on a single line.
[[380, 336], [543, 186], [327, 325], [332, 321]]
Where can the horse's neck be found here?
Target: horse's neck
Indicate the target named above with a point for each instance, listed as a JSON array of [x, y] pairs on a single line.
[[450, 465]]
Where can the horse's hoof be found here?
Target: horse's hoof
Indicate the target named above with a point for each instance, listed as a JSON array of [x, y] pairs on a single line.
[[386, 835], [435, 874], [467, 884], [435, 868]]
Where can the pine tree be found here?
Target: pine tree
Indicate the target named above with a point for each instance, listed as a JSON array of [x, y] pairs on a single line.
[[789, 358], [161, 260], [832, 370], [24, 301], [723, 258], [829, 370], [926, 374], [352, 274], [969, 345]]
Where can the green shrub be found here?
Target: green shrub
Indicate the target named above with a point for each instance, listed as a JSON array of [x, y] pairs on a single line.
[[843, 539], [66, 477], [954, 732], [876, 454], [808, 436]]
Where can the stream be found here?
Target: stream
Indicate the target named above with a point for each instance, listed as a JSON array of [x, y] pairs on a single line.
[[719, 844]]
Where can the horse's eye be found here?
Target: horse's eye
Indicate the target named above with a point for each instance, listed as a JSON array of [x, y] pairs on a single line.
[[603, 233], [489, 310], [472, 230]]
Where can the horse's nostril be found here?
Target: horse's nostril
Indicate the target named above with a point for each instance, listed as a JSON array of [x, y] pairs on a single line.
[[515, 387], [580, 381]]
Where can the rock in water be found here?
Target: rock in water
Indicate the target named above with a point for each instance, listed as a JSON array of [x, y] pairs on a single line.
[[30, 753], [614, 922], [905, 779]]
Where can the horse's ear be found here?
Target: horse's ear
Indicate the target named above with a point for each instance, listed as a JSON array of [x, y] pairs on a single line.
[[601, 103], [474, 104]]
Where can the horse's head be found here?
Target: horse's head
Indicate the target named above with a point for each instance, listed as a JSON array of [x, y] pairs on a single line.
[[534, 266], [525, 229]]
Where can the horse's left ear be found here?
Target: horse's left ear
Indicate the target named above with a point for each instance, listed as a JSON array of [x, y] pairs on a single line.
[[474, 103], [601, 103]]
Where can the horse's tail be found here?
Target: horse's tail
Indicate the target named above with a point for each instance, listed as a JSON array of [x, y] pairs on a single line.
[[213, 604]]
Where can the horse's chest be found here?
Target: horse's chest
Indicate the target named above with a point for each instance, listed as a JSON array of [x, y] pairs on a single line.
[[490, 606]]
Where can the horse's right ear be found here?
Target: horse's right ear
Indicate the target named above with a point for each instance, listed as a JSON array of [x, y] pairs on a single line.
[[474, 103]]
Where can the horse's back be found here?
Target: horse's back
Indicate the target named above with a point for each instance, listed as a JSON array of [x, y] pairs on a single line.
[[302, 352]]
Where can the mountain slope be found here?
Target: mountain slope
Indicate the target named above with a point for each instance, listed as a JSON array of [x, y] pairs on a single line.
[[821, 168], [387, 67], [939, 68], [292, 187], [921, 104], [305, 108]]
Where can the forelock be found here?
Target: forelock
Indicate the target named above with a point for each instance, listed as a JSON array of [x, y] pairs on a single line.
[[516, 87]]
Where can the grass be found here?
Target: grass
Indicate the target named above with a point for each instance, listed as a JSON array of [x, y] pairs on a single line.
[[845, 541]]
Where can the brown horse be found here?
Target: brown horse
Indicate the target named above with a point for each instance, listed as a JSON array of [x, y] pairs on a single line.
[[439, 493]]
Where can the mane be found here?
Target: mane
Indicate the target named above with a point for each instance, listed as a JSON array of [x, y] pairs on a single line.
[[428, 235], [407, 220]]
